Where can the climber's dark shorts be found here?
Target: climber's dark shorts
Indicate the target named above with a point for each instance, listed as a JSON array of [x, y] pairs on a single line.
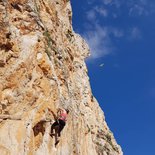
[[60, 123]]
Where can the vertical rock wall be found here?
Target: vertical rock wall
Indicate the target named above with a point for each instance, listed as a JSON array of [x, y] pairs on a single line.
[[42, 65]]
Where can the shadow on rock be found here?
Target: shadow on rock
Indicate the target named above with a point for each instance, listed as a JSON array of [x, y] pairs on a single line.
[[39, 128]]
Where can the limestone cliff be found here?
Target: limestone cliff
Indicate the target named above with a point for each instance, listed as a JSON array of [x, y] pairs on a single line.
[[42, 65]]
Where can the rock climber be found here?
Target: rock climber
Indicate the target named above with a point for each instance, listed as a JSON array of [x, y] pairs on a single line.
[[60, 122]]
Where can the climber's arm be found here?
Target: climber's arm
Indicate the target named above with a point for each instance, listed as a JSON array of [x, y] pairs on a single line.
[[55, 117], [50, 110]]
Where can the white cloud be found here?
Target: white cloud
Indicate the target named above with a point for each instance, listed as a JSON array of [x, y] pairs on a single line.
[[98, 41], [91, 15], [116, 3], [107, 1], [100, 37], [134, 7], [135, 33], [137, 10], [90, 1], [94, 12], [101, 11], [117, 33], [141, 7]]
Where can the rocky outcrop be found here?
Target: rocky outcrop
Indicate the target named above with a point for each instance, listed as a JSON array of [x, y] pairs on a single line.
[[42, 65]]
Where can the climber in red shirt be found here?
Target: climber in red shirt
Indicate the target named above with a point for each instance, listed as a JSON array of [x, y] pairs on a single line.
[[60, 122]]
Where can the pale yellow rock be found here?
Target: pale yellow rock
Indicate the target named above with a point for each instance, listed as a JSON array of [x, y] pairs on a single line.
[[42, 66]]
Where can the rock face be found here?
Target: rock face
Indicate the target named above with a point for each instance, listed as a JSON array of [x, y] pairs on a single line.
[[42, 65]]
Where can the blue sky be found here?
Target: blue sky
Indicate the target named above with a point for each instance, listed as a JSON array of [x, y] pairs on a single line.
[[121, 37]]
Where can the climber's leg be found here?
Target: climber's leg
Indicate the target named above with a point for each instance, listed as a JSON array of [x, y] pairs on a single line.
[[57, 141], [61, 126], [54, 125]]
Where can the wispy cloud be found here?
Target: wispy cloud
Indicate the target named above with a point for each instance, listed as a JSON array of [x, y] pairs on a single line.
[[95, 11], [99, 35], [90, 1], [135, 33], [135, 8], [102, 11], [116, 3], [138, 10], [117, 32], [91, 15], [141, 7], [99, 42]]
